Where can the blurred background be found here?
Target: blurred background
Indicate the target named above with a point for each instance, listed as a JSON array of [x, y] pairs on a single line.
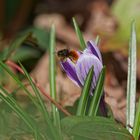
[[110, 19]]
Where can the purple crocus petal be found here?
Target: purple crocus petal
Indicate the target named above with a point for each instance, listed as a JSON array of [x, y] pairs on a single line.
[[79, 53], [92, 48], [69, 68], [84, 63]]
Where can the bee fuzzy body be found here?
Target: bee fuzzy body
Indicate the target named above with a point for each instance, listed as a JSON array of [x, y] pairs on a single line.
[[65, 53]]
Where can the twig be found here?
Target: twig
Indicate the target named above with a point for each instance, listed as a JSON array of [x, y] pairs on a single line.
[[14, 65]]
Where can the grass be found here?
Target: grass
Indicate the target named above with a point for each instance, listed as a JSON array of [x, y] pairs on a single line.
[[131, 80], [86, 111]]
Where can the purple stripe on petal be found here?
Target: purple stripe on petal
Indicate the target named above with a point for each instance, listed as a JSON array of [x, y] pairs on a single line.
[[69, 68], [84, 63], [92, 47]]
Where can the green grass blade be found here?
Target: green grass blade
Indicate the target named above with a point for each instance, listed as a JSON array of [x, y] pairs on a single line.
[[97, 94], [136, 128], [36, 136], [16, 108], [15, 44], [131, 80], [85, 93], [19, 83], [52, 73], [52, 66], [30, 122], [52, 133], [97, 40], [79, 35]]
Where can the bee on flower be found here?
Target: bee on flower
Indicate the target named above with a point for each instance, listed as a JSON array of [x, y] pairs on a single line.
[[77, 64]]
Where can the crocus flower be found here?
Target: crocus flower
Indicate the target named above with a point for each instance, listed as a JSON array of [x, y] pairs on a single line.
[[77, 71]]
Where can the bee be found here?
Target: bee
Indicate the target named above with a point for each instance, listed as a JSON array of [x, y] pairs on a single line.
[[66, 53]]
